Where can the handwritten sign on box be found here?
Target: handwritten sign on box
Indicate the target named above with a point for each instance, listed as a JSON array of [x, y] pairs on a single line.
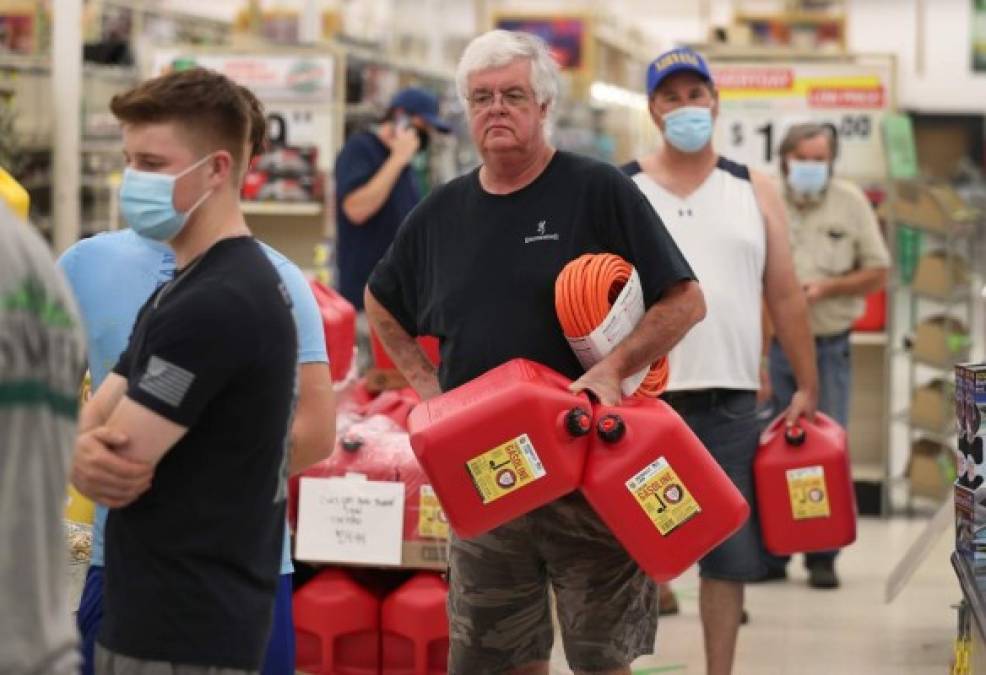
[[345, 520]]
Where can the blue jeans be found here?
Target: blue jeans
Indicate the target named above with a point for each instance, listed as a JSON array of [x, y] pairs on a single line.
[[280, 646], [726, 423], [834, 379]]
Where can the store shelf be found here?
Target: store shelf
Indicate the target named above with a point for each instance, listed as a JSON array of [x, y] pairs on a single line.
[[281, 208], [973, 590], [866, 339], [957, 229], [868, 472], [961, 296], [940, 367], [941, 436]]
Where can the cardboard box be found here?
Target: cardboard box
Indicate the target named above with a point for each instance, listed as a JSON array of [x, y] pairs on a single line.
[[940, 275], [932, 405], [937, 208], [930, 469], [941, 341], [425, 554]]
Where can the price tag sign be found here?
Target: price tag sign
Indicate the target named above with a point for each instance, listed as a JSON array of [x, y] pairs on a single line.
[[758, 103], [345, 520]]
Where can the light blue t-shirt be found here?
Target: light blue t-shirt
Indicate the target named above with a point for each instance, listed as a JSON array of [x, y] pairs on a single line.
[[113, 274]]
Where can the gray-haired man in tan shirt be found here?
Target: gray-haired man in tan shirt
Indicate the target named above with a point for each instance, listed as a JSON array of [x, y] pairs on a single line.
[[839, 257]]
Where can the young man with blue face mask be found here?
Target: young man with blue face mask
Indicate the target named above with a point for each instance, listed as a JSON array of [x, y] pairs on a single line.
[[112, 275], [839, 257], [729, 222], [187, 439]]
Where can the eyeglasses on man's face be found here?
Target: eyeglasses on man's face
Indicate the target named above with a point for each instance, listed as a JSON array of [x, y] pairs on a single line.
[[514, 97]]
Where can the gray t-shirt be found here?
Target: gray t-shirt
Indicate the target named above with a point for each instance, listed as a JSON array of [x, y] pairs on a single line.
[[41, 362]]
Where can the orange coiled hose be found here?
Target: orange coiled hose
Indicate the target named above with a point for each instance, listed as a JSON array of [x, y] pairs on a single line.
[[585, 292]]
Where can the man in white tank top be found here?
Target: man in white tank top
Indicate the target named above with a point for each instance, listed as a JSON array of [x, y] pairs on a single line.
[[730, 224]]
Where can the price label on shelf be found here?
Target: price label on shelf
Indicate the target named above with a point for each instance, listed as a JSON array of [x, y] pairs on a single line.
[[759, 102]]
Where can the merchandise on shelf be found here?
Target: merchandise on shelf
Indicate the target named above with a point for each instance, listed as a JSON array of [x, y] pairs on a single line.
[[285, 174], [970, 494], [339, 319], [373, 444], [337, 625]]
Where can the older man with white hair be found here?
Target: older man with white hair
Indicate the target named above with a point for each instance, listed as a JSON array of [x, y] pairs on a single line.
[[475, 264]]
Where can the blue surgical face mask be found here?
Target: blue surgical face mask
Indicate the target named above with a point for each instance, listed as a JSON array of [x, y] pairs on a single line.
[[807, 178], [147, 202], [688, 129]]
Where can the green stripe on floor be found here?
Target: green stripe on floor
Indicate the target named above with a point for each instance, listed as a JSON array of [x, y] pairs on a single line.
[[36, 393], [674, 668]]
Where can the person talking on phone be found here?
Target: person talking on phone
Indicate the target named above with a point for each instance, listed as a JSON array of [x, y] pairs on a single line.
[[376, 188]]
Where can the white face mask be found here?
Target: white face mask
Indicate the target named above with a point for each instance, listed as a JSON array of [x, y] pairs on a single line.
[[807, 177], [147, 202]]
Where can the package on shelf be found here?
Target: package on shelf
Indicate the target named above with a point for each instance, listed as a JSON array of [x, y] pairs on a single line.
[[937, 208], [970, 493], [930, 469], [941, 341], [285, 174], [940, 274], [930, 405]]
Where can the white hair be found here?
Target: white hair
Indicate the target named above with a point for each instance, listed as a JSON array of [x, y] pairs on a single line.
[[498, 48]]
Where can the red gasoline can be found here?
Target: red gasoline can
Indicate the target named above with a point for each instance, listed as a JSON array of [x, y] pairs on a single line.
[[383, 361], [395, 404], [415, 629], [874, 317], [805, 494], [336, 626], [509, 441], [339, 320], [658, 489]]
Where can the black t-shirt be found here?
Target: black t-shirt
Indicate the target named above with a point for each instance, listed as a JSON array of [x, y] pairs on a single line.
[[478, 270], [360, 247], [192, 565]]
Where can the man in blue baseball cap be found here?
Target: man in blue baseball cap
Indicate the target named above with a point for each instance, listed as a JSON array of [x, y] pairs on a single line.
[[376, 189], [375, 186], [731, 224]]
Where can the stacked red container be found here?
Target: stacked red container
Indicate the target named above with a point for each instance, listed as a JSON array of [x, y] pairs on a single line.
[[339, 320], [658, 489], [383, 361], [805, 493], [337, 626], [415, 629]]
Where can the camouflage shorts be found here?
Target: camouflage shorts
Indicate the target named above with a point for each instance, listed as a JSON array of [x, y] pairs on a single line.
[[499, 610]]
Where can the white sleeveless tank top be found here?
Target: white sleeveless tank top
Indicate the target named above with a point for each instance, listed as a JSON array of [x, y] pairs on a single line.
[[720, 230]]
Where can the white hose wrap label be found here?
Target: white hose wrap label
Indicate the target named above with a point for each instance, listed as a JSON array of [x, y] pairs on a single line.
[[623, 317]]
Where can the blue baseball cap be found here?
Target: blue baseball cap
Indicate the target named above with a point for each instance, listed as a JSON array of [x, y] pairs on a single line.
[[423, 103], [680, 60]]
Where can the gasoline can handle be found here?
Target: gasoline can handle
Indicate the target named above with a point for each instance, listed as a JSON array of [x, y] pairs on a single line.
[[578, 422], [795, 435], [611, 428]]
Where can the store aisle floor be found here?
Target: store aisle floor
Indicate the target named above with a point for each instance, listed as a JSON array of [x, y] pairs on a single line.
[[850, 631]]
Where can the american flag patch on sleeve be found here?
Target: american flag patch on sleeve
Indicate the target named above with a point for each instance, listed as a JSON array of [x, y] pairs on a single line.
[[165, 381]]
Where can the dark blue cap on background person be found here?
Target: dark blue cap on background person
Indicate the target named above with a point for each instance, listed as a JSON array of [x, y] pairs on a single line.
[[415, 101], [679, 60]]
